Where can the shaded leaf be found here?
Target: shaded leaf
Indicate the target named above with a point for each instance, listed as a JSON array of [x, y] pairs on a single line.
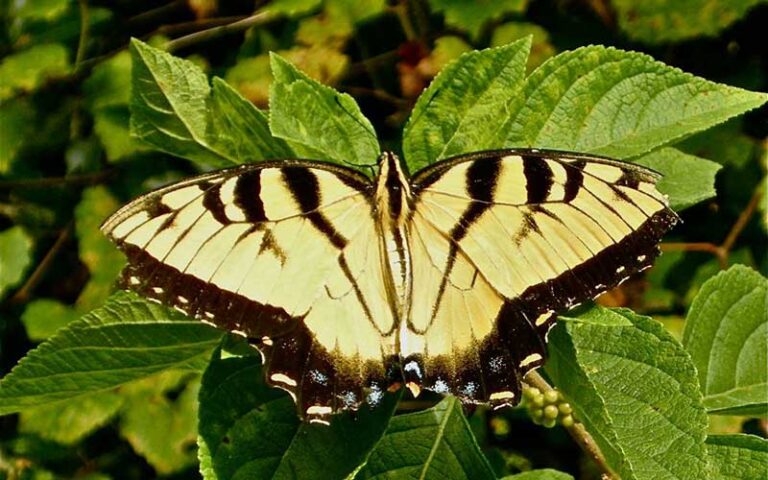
[[541, 47], [126, 339], [726, 333], [317, 121], [15, 257], [737, 457], [543, 474], [471, 17], [159, 419], [249, 430], [70, 421], [615, 103], [436, 443], [26, 70], [169, 106], [44, 317], [664, 21], [452, 115], [39, 9], [635, 389], [687, 179], [15, 124]]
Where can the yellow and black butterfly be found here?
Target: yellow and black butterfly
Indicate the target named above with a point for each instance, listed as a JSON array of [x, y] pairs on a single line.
[[448, 280]]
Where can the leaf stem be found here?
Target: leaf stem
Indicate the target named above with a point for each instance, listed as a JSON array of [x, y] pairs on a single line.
[[22, 294], [215, 32], [82, 42], [577, 431], [723, 250]]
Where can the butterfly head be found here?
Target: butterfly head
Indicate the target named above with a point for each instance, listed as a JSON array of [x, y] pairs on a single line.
[[393, 191]]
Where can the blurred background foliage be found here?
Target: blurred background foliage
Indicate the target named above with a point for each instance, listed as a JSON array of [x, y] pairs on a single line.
[[67, 161]]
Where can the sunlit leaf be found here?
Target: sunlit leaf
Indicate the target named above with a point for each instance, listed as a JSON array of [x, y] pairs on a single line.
[[15, 257], [28, 69], [472, 17], [737, 457]]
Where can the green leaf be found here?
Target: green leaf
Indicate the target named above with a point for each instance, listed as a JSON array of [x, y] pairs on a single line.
[[159, 419], [635, 389], [103, 259], [471, 17], [292, 8], [126, 339], [737, 457], [15, 257], [26, 70], [44, 317], [726, 333], [16, 119], [249, 430], [317, 121], [452, 115], [70, 421], [687, 179], [39, 9], [615, 103], [543, 474], [244, 129], [436, 443], [169, 106], [541, 46], [664, 21]]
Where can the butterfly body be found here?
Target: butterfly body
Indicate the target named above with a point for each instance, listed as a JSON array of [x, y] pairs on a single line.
[[448, 280]]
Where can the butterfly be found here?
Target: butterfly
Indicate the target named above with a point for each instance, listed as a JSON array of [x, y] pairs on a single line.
[[448, 280]]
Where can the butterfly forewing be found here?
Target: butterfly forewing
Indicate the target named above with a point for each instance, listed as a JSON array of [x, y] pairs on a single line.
[[284, 253], [504, 240]]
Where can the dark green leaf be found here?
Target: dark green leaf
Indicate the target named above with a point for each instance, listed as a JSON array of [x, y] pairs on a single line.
[[687, 179], [16, 119], [432, 444], [249, 430], [43, 317], [126, 339], [543, 474], [635, 389], [726, 333], [471, 17], [737, 457], [452, 116], [15, 257], [26, 70], [317, 121]]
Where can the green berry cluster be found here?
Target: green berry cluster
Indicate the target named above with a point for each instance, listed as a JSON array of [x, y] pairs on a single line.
[[548, 407]]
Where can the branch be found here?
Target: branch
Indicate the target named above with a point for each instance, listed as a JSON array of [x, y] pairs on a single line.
[[577, 431], [215, 32], [84, 179], [82, 43], [22, 294]]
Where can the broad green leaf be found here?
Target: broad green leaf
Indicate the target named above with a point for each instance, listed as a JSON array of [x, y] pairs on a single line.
[[687, 179], [44, 317], [103, 259], [616, 103], [69, 421], [726, 333], [159, 419], [26, 70], [452, 116], [126, 339], [15, 257], [356, 11], [243, 129], [737, 457], [471, 17], [436, 443], [541, 46], [317, 121], [664, 21], [635, 389], [249, 430], [543, 474], [169, 106], [16, 119], [725, 144]]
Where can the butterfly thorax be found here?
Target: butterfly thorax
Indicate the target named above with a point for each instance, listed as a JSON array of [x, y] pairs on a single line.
[[393, 204]]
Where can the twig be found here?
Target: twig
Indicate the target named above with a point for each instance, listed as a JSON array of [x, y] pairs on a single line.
[[82, 43], [215, 32], [203, 23], [84, 179], [22, 294], [723, 250], [577, 431], [156, 13]]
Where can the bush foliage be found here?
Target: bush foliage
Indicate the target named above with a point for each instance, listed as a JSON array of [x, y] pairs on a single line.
[[666, 376]]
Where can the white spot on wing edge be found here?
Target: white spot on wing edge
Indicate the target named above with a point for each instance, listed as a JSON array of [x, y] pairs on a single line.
[[284, 379], [506, 395], [534, 357]]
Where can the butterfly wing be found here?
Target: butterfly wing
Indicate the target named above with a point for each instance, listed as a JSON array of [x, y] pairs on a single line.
[[503, 240], [285, 253]]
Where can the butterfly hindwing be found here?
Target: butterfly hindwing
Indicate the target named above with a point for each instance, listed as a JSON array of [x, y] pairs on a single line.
[[284, 253], [508, 238]]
